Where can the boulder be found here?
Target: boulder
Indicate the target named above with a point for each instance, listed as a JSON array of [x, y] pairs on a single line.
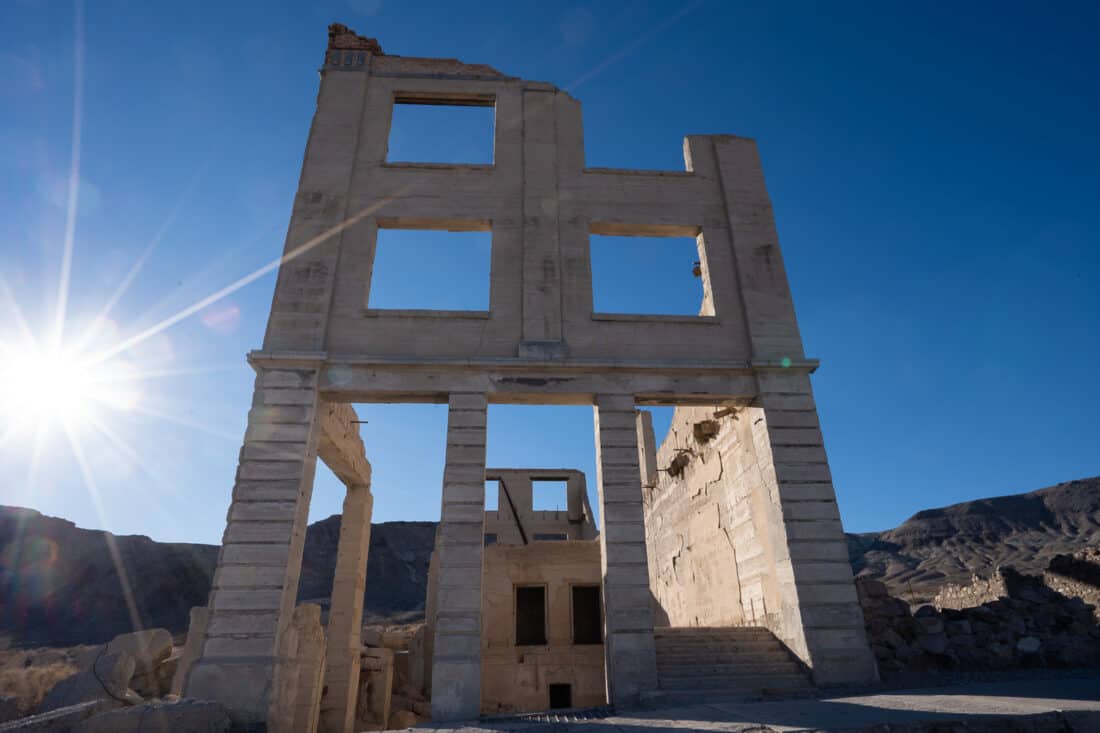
[[156, 682], [1028, 645], [372, 637], [108, 678], [183, 716], [148, 648], [401, 719]]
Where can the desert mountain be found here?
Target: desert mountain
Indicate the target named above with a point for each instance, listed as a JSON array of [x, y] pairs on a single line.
[[59, 584], [951, 544]]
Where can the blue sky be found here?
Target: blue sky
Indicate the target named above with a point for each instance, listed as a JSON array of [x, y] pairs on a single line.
[[932, 166]]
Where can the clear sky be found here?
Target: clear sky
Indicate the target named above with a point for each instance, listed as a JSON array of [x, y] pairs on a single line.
[[933, 168]]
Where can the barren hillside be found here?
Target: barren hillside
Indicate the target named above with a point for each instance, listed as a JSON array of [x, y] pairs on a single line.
[[953, 543]]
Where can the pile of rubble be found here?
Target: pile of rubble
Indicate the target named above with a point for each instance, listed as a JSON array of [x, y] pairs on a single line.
[[129, 685], [1029, 625]]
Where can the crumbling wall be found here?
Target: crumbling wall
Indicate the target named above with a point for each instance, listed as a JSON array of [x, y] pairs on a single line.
[[711, 560]]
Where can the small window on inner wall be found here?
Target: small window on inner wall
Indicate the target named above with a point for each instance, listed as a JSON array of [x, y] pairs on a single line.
[[643, 274], [434, 130], [492, 495]]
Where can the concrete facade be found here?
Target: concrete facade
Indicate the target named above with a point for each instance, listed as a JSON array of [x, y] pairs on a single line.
[[539, 342]]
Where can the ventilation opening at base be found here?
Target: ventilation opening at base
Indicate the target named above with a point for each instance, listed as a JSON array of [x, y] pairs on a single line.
[[561, 696]]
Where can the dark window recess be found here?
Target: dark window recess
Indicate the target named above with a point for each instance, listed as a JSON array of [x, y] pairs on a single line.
[[530, 615], [550, 536], [490, 539], [587, 624], [561, 696]]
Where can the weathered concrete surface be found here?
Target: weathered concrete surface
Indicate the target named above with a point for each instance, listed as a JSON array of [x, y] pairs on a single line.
[[1057, 706]]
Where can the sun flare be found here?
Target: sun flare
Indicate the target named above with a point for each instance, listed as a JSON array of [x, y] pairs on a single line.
[[41, 386]]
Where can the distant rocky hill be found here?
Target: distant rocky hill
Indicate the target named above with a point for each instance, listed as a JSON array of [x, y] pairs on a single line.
[[59, 584], [951, 544]]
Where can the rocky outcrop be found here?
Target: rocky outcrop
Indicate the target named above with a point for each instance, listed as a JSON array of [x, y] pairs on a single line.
[[106, 678], [1032, 626]]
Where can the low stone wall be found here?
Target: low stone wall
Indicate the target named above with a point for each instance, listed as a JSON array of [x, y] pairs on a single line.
[[979, 591], [1032, 626]]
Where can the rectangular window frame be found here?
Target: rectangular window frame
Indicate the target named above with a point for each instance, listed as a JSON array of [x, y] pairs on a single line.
[[441, 99], [545, 613], [573, 613], [708, 307], [429, 224]]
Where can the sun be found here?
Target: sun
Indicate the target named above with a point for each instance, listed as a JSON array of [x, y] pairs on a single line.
[[42, 386]]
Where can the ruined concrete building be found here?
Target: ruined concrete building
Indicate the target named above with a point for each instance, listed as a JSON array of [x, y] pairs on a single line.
[[725, 539]]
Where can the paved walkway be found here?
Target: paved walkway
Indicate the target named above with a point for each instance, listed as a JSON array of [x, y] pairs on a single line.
[[1081, 696]]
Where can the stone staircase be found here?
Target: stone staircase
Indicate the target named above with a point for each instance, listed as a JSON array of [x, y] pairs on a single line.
[[696, 664]]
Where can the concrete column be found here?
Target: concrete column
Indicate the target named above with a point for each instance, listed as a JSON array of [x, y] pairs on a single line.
[[256, 581], [456, 653], [345, 619], [631, 658], [820, 616]]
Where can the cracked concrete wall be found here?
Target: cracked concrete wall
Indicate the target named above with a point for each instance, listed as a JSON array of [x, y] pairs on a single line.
[[709, 565]]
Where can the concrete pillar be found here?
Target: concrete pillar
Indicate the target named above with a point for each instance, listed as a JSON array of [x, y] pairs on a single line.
[[256, 581], [647, 449], [631, 658], [345, 619], [456, 652], [820, 616]]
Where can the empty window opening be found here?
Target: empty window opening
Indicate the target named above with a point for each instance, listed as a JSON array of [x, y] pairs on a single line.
[[561, 696], [549, 496], [550, 536], [429, 269], [648, 276], [530, 615], [441, 132], [587, 619], [490, 538], [492, 495]]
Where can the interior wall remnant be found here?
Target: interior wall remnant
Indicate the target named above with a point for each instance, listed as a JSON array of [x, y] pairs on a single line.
[[707, 563], [517, 677], [748, 532]]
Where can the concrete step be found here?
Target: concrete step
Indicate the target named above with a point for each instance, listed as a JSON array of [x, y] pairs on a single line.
[[746, 667], [722, 648], [737, 684], [694, 660], [686, 631]]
